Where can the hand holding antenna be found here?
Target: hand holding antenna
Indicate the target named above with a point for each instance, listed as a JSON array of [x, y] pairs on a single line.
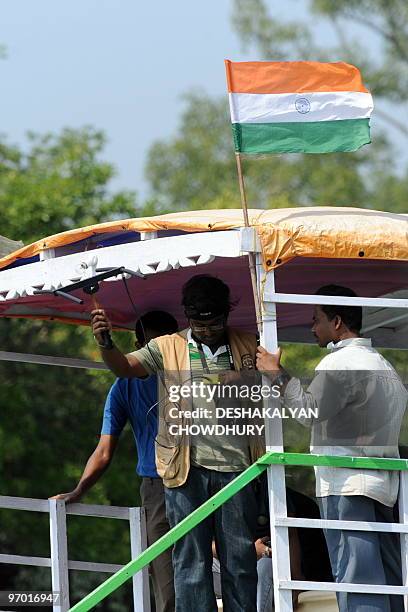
[[101, 326]]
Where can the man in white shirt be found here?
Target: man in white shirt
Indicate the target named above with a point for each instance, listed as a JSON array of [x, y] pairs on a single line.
[[360, 401]]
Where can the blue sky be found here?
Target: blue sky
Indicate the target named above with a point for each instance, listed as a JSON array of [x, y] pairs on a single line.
[[120, 65]]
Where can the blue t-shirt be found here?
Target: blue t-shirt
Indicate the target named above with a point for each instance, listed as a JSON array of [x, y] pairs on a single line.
[[131, 399]]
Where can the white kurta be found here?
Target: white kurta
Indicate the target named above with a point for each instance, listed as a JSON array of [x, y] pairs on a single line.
[[361, 402]]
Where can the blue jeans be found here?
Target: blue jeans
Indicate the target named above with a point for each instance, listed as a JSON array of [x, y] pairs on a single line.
[[362, 556], [232, 527], [265, 585]]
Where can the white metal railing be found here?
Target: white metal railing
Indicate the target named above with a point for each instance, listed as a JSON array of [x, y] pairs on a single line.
[[279, 522], [285, 585], [59, 562]]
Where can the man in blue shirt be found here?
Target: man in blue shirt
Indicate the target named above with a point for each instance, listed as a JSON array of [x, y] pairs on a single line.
[[135, 400]]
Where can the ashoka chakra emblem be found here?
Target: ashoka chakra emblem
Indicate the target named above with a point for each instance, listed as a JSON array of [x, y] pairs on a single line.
[[302, 105]]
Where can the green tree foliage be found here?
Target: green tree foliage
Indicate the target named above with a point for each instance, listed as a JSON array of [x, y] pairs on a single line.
[[387, 20], [372, 34], [59, 184], [51, 416], [197, 169]]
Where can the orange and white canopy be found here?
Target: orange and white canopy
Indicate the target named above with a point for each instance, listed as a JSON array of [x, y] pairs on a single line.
[[307, 247]]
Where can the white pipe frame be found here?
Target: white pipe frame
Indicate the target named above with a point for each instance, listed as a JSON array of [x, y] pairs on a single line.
[[274, 442], [279, 521]]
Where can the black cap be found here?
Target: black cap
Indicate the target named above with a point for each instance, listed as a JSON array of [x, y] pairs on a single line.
[[205, 297], [203, 311]]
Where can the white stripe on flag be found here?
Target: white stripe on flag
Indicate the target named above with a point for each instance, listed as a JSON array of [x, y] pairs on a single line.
[[297, 107]]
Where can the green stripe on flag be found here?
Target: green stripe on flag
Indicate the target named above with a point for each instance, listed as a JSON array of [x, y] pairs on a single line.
[[301, 137]]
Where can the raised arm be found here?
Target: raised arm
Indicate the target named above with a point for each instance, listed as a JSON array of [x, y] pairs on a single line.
[[124, 366]]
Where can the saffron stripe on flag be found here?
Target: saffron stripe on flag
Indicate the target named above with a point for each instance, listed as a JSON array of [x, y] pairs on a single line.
[[331, 106], [301, 137], [292, 77]]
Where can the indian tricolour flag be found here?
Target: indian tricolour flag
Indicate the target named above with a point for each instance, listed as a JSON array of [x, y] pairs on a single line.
[[298, 107]]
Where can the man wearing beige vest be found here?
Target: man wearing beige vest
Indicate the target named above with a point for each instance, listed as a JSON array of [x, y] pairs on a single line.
[[194, 468]]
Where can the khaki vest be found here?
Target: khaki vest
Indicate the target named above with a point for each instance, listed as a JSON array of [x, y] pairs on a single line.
[[173, 455]]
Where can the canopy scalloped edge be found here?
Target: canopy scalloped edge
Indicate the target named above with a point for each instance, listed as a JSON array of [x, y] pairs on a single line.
[[284, 233]]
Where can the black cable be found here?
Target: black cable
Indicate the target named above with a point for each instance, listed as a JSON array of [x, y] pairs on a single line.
[[159, 372]]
